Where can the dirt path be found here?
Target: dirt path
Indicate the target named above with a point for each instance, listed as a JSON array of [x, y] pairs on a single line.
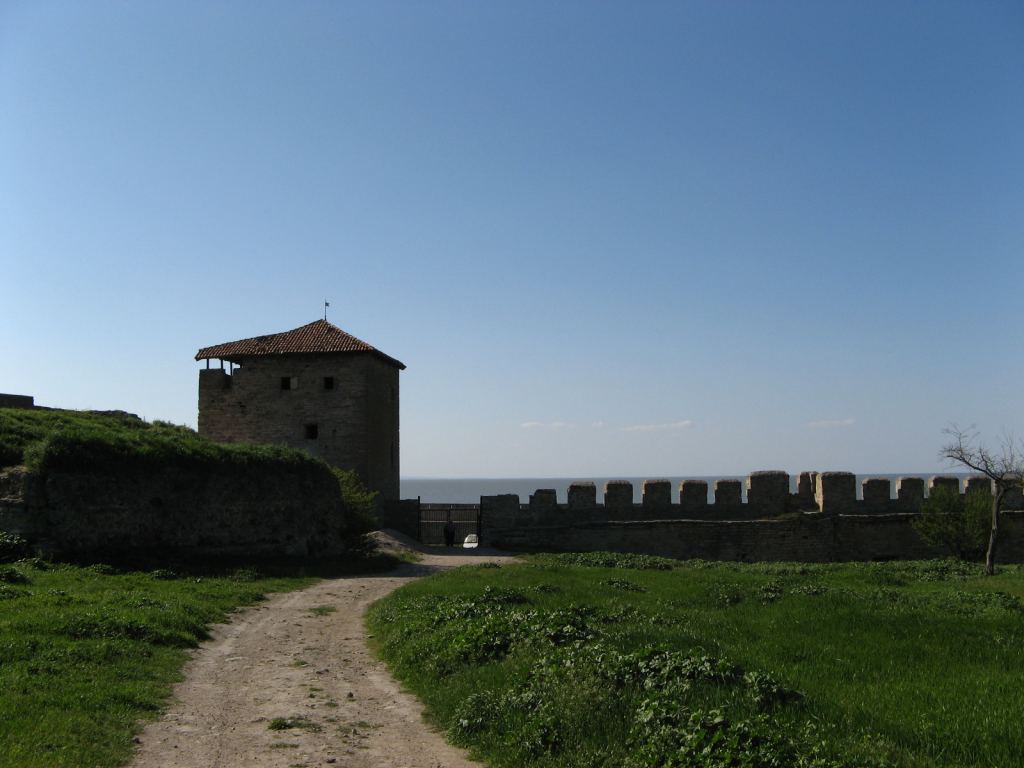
[[294, 658]]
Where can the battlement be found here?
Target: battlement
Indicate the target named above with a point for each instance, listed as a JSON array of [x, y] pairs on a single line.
[[769, 515], [762, 494]]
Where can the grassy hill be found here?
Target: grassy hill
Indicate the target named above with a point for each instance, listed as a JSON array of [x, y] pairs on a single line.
[[618, 660], [77, 440]]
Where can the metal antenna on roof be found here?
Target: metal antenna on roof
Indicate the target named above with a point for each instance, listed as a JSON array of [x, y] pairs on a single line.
[[326, 305]]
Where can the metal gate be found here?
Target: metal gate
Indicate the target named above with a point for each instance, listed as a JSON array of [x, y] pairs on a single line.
[[465, 520]]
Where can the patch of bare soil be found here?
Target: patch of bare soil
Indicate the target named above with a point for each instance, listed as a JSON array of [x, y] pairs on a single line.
[[291, 682]]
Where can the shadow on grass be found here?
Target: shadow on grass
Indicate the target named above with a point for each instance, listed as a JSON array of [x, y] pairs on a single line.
[[241, 567]]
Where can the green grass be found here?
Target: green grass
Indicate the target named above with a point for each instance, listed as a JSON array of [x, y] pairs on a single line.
[[86, 652], [287, 723], [577, 661], [119, 444], [84, 440]]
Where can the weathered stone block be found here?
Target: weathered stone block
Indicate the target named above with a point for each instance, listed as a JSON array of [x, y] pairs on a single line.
[[768, 492], [877, 492], [910, 492], [728, 496], [805, 488], [543, 503], [944, 481], [582, 497], [837, 493], [618, 495], [693, 496], [657, 495]]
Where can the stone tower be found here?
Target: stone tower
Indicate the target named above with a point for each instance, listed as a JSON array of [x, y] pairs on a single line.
[[315, 388]]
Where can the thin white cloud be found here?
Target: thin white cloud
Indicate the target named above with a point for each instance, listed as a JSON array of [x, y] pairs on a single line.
[[659, 427], [531, 424], [830, 423], [597, 424], [545, 425]]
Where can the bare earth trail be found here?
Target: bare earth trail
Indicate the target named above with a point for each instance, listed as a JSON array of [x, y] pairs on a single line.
[[294, 657]]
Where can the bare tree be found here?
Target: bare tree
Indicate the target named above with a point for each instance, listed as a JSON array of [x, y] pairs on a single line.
[[1004, 468]]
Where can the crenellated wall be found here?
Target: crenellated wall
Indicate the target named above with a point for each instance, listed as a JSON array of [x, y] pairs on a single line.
[[824, 520]]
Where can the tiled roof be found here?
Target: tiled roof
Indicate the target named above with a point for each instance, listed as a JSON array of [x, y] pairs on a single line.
[[320, 337]]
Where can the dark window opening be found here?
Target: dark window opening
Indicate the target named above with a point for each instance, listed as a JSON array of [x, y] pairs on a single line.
[[289, 382], [312, 431], [328, 382]]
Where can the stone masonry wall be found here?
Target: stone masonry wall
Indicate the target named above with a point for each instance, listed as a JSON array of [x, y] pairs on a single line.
[[202, 512], [16, 401], [355, 420], [823, 521]]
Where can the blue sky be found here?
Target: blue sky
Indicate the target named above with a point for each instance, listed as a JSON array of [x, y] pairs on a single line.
[[606, 238]]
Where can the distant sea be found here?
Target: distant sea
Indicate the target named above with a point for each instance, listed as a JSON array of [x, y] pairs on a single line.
[[456, 490]]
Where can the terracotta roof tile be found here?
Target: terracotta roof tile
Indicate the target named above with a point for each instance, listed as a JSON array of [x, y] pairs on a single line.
[[319, 337]]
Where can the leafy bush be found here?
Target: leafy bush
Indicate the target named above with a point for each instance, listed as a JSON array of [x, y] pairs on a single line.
[[12, 547], [360, 504], [624, 585], [9, 575], [958, 524]]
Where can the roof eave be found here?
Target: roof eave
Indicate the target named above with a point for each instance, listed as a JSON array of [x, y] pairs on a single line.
[[209, 353]]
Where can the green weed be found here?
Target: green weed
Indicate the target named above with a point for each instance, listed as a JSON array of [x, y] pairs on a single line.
[[288, 723], [703, 664]]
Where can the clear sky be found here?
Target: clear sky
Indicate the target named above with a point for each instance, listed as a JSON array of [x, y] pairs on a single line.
[[628, 238]]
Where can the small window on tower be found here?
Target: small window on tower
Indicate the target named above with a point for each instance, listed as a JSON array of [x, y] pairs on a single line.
[[289, 382], [312, 431], [328, 382]]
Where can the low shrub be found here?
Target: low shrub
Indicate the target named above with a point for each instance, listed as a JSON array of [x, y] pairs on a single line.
[[958, 523], [12, 547]]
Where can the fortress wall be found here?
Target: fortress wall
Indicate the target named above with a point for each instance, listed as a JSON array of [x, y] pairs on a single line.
[[198, 510], [17, 401], [823, 521], [20, 497], [806, 538]]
